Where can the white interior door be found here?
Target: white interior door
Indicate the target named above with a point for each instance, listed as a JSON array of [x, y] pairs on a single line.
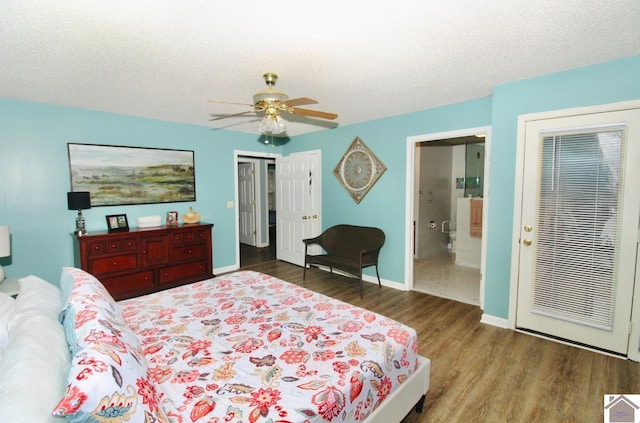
[[246, 203], [578, 231], [298, 203]]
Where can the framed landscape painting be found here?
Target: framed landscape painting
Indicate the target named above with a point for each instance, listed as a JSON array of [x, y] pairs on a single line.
[[117, 175]]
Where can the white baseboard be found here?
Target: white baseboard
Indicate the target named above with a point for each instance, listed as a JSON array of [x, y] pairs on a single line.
[[225, 269], [494, 321]]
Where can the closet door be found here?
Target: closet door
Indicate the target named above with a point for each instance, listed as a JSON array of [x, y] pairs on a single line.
[[247, 203], [579, 228]]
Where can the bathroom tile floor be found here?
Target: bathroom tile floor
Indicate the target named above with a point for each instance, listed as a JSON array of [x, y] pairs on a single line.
[[440, 276]]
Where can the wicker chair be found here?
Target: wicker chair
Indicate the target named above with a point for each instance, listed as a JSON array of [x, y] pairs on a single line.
[[348, 248]]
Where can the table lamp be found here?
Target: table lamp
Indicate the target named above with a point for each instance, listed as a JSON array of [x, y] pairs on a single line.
[[79, 200], [5, 247]]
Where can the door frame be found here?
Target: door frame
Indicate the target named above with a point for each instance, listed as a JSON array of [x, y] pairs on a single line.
[[410, 197], [243, 156], [634, 337]]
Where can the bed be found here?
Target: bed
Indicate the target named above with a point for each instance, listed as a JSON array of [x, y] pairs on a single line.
[[242, 347]]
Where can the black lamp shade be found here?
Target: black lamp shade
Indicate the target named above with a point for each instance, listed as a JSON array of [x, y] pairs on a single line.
[[79, 200]]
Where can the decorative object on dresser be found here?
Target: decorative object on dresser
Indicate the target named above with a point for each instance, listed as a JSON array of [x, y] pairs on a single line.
[[5, 247], [172, 218], [191, 216], [146, 260], [149, 221], [79, 200], [117, 222]]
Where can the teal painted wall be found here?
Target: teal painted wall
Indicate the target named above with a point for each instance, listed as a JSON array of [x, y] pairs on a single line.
[[34, 179], [384, 206], [34, 175], [597, 84]]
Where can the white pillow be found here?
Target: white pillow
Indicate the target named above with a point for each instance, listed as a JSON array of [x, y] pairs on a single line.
[[7, 313], [35, 363], [37, 295]]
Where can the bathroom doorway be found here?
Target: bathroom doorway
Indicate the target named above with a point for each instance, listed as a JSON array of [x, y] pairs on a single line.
[[448, 204]]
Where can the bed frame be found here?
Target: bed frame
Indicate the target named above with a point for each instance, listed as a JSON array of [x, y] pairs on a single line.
[[400, 402]]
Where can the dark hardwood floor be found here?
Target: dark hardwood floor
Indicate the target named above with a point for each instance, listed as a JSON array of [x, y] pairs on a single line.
[[482, 373], [252, 255]]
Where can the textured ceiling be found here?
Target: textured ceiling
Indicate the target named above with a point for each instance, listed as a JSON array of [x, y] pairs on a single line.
[[363, 60]]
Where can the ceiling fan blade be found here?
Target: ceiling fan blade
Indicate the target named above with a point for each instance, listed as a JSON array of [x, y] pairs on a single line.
[[314, 113], [231, 115], [301, 101], [230, 102]]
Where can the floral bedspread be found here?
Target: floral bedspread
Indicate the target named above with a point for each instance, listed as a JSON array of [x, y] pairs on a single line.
[[248, 347]]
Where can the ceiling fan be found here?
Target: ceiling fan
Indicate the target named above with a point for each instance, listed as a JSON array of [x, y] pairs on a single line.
[[272, 102]]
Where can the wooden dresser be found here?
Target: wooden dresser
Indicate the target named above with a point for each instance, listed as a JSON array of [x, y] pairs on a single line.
[[142, 261]]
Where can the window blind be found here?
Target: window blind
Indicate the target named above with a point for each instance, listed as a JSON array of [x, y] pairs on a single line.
[[578, 225]]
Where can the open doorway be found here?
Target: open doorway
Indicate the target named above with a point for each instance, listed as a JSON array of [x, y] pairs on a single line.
[[255, 211], [449, 179]]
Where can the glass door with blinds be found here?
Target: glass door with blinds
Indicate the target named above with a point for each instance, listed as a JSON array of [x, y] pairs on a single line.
[[579, 228]]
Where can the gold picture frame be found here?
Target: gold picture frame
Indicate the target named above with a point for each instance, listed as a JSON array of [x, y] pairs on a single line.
[[359, 169]]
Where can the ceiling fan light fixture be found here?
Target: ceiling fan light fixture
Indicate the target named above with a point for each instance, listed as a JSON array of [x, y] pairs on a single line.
[[272, 125], [272, 103]]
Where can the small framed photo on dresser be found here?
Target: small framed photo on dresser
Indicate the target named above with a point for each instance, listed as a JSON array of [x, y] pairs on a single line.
[[117, 223], [172, 218]]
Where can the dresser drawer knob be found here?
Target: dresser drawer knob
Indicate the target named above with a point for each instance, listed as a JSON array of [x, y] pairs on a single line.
[[115, 263]]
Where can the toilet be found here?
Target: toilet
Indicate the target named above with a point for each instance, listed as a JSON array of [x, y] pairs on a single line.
[[452, 241]]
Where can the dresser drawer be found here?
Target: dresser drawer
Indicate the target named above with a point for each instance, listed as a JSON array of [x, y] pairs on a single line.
[[114, 264], [183, 271], [95, 248], [119, 245], [187, 252], [127, 285], [197, 235]]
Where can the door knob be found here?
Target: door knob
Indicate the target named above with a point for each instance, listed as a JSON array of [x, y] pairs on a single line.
[[528, 228], [527, 242]]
